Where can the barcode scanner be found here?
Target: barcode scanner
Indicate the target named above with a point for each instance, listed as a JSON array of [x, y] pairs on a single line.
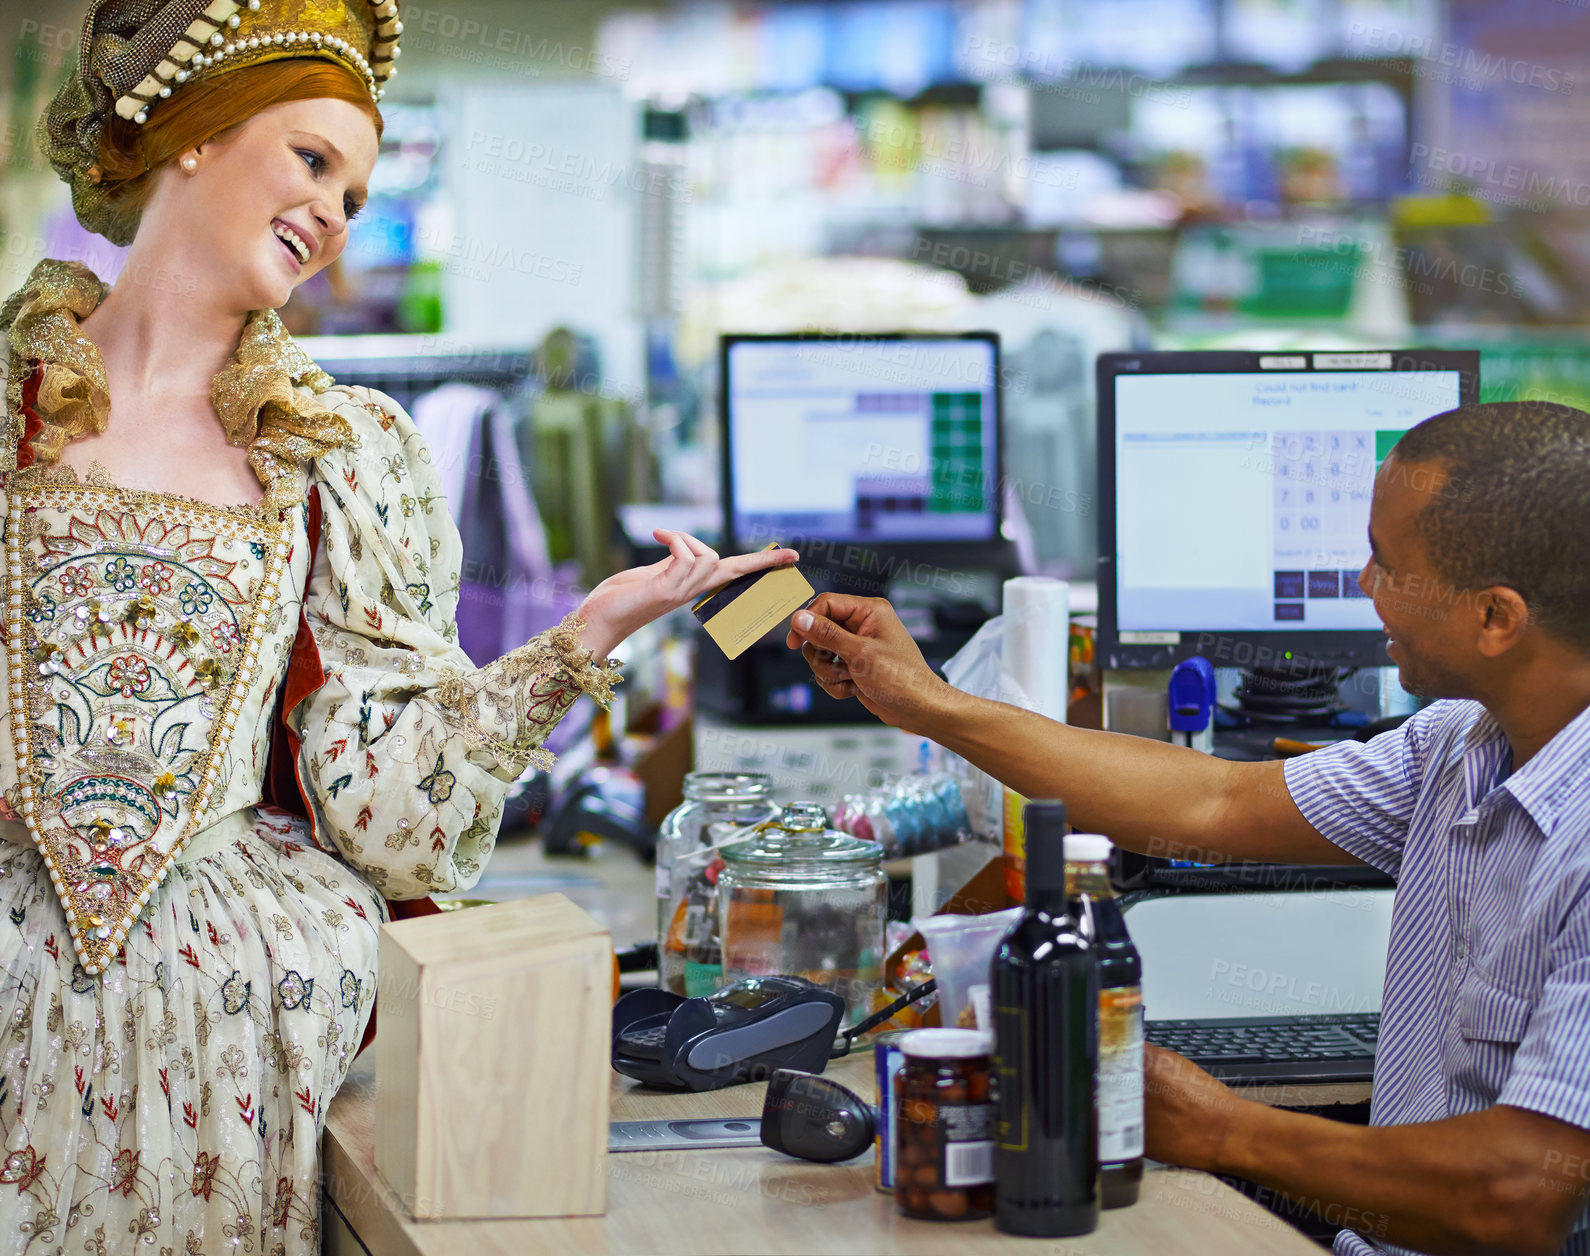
[[814, 1118]]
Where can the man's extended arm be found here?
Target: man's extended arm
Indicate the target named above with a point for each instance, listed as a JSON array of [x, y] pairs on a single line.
[[1148, 796], [1501, 1180]]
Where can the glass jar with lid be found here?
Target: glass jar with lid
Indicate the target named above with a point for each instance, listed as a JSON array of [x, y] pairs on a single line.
[[798, 898], [689, 959]]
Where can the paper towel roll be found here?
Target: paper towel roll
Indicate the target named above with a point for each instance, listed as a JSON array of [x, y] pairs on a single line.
[[1035, 657]]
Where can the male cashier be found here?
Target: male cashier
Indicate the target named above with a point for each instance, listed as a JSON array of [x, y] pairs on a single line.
[[1478, 806]]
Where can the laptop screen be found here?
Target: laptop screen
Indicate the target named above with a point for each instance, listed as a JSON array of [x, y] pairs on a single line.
[[1223, 956]]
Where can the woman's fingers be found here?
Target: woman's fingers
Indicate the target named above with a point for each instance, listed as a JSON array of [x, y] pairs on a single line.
[[699, 547], [678, 546], [703, 562], [741, 564], [699, 568], [709, 571], [691, 545]]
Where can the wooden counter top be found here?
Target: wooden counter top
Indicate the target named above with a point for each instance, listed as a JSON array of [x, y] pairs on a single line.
[[752, 1200]]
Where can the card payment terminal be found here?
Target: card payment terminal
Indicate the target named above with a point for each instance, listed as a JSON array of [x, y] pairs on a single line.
[[740, 1033]]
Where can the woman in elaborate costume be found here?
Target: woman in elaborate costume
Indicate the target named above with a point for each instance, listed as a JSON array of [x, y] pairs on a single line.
[[210, 548]]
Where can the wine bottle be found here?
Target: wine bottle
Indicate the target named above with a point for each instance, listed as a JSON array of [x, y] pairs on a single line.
[[1045, 991], [1092, 901]]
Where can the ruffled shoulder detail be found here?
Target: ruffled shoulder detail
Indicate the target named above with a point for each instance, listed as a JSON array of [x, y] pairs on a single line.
[[268, 398], [54, 375]]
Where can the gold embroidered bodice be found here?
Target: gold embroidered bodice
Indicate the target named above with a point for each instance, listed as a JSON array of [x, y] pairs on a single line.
[[146, 635], [145, 650]]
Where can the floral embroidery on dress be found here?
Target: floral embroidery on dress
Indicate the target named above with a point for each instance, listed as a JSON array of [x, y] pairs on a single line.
[[173, 1097]]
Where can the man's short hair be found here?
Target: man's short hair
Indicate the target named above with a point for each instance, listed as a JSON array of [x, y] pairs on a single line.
[[1515, 508]]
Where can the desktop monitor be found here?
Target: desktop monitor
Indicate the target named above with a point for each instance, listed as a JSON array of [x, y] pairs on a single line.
[[1234, 493], [872, 445]]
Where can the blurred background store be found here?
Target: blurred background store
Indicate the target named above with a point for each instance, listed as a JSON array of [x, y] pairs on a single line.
[[576, 198]]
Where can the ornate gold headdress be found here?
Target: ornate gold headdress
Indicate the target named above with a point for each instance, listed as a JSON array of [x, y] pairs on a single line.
[[136, 53]]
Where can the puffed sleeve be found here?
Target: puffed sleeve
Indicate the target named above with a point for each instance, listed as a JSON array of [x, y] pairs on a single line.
[[408, 749]]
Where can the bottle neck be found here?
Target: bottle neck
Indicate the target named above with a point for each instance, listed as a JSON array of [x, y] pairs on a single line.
[[1051, 900], [1090, 878]]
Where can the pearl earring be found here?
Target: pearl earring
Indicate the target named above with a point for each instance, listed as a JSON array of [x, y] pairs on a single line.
[[190, 164]]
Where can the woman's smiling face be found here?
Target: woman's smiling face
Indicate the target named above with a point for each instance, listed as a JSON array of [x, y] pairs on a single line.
[[269, 201]]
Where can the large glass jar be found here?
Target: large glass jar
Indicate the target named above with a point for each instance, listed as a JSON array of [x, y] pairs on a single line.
[[799, 898], [689, 959]]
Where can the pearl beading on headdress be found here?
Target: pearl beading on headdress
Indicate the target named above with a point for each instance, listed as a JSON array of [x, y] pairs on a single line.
[[205, 46]]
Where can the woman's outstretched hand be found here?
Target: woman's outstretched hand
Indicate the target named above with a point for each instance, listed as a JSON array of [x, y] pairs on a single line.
[[626, 601]]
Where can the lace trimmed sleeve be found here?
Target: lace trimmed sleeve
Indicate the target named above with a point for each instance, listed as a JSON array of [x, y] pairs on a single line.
[[407, 749]]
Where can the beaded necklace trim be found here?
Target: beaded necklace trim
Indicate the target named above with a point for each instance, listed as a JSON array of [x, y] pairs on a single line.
[[124, 636]]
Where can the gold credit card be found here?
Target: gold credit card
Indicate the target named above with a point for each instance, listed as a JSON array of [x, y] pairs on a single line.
[[738, 613]]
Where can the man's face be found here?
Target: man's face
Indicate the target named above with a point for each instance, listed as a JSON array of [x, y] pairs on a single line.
[[1426, 618]]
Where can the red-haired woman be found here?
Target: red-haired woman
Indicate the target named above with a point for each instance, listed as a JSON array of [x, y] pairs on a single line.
[[206, 540]]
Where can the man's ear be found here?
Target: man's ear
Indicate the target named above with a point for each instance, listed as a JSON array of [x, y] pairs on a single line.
[[1504, 617]]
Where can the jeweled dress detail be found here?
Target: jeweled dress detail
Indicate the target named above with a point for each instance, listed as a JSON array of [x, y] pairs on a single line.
[[186, 973]]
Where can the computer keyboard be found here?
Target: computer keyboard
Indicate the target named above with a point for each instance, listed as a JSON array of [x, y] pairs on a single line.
[[1276, 1048]]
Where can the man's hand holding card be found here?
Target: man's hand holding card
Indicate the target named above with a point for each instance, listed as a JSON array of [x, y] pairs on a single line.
[[740, 612]]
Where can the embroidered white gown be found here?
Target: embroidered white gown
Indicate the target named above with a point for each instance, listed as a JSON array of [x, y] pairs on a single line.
[[185, 974]]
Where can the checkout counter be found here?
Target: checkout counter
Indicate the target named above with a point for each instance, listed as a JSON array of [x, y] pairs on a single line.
[[754, 1200]]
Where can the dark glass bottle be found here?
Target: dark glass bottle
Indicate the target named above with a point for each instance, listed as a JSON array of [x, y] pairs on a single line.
[[1045, 992], [1102, 922]]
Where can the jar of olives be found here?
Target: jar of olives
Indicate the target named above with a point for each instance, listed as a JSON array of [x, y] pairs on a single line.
[[944, 1125]]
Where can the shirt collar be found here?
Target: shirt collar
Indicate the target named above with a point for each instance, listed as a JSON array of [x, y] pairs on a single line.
[[1485, 750], [1558, 771]]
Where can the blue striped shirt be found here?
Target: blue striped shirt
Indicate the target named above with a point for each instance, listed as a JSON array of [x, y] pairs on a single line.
[[1487, 996]]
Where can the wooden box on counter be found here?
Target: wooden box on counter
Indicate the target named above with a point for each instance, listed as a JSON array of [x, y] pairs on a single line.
[[492, 1058]]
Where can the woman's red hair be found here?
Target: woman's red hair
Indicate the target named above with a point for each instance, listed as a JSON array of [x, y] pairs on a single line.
[[128, 153]]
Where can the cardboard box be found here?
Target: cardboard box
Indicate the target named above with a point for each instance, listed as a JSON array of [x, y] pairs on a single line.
[[493, 1060]]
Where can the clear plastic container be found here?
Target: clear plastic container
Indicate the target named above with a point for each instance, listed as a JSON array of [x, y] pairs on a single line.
[[961, 949], [799, 898], [689, 958]]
